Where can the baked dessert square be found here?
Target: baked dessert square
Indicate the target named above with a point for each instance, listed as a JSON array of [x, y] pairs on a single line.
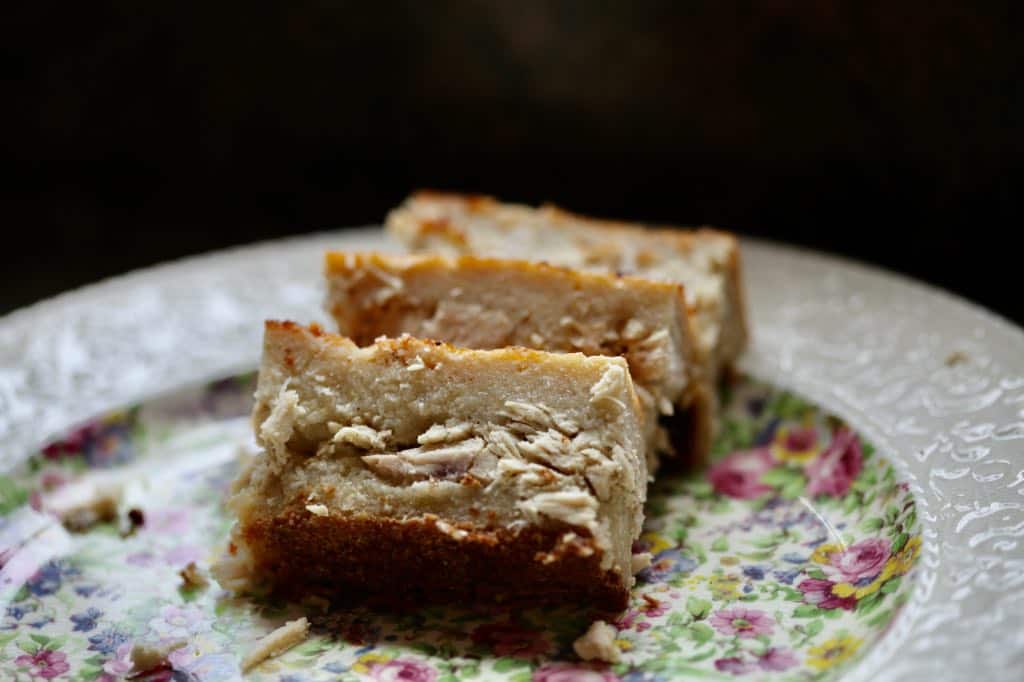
[[478, 302], [412, 471], [705, 261]]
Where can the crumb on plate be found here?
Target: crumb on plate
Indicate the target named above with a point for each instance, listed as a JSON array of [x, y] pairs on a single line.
[[276, 643]]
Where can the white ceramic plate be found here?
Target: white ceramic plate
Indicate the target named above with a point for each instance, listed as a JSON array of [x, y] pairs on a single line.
[[935, 383]]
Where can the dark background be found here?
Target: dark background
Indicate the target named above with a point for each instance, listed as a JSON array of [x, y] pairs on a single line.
[[139, 132]]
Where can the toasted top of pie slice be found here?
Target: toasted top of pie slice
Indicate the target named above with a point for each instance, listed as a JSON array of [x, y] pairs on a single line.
[[480, 302], [705, 261]]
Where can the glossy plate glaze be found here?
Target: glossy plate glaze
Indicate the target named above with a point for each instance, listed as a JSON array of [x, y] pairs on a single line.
[[880, 543]]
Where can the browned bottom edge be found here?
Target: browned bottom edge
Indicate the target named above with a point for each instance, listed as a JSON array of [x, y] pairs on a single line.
[[403, 563]]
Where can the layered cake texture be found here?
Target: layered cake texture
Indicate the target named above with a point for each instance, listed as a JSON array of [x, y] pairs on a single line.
[[415, 471]]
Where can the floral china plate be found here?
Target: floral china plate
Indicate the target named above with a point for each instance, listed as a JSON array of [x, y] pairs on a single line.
[[861, 518]]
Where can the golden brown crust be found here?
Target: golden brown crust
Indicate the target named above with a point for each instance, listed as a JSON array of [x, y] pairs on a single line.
[[395, 563], [681, 240], [337, 262], [410, 345]]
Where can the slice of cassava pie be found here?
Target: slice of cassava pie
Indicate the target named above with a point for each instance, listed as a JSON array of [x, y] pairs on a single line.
[[705, 261], [487, 303], [413, 471]]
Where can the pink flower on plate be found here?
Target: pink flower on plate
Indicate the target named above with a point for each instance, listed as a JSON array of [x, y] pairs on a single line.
[[742, 622], [167, 521], [573, 672], [776, 659], [819, 593], [183, 555], [120, 665], [739, 474], [403, 670], [44, 663], [51, 479], [734, 665], [835, 470], [797, 444], [626, 622], [862, 560], [509, 639]]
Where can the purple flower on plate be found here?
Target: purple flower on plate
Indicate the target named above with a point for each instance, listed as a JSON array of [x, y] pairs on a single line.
[[86, 590], [819, 593], [742, 622], [786, 577], [108, 641], [405, 669], [665, 564], [86, 621], [777, 659], [46, 581], [753, 572], [734, 665], [767, 434], [19, 611]]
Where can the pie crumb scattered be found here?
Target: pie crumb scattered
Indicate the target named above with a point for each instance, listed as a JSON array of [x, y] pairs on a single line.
[[151, 655], [193, 577], [598, 644], [276, 643], [641, 561]]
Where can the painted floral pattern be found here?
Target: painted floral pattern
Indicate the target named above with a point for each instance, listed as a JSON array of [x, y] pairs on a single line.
[[785, 560]]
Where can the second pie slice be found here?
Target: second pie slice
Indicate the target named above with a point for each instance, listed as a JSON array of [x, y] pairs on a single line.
[[491, 303]]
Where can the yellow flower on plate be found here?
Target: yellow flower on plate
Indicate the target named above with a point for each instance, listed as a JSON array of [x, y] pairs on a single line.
[[658, 543], [903, 560], [693, 580], [846, 589], [823, 553], [796, 444], [724, 586], [624, 644], [833, 652], [366, 661]]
